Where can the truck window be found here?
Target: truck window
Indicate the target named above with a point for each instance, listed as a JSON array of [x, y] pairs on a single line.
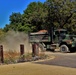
[[60, 32]]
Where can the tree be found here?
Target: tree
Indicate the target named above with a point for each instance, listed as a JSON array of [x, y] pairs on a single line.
[[37, 16], [61, 13], [34, 15], [15, 20], [33, 18]]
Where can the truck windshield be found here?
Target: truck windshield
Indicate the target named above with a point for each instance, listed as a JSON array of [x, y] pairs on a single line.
[[60, 32]]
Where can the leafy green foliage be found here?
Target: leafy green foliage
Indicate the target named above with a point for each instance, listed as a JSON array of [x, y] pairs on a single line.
[[34, 15], [37, 16], [62, 13]]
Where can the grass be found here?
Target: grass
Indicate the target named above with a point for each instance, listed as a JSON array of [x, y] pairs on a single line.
[[10, 57], [13, 57]]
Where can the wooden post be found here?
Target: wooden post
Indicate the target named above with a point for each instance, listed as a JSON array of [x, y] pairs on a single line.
[[21, 49], [1, 54], [35, 50]]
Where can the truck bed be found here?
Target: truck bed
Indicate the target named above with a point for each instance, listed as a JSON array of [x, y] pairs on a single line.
[[39, 37]]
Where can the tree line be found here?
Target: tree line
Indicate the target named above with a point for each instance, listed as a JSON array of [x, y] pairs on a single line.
[[38, 15]]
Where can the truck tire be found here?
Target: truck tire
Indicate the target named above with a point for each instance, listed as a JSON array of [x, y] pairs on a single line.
[[64, 48]]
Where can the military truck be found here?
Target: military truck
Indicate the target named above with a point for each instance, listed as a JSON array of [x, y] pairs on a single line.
[[52, 40]]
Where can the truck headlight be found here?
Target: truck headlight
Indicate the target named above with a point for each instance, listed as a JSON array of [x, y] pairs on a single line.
[[69, 41]]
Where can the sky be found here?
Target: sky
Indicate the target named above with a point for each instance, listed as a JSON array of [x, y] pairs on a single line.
[[9, 6]]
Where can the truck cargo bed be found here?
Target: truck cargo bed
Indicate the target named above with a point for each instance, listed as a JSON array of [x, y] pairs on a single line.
[[39, 37]]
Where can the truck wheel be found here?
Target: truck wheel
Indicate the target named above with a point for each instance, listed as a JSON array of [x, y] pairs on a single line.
[[64, 48]]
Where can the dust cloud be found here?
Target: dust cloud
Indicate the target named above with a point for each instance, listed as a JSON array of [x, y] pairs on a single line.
[[13, 40]]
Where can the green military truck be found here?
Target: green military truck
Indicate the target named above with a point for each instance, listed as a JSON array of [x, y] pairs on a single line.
[[57, 39]]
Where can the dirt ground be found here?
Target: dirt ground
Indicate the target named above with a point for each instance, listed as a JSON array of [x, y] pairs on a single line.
[[30, 68]]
